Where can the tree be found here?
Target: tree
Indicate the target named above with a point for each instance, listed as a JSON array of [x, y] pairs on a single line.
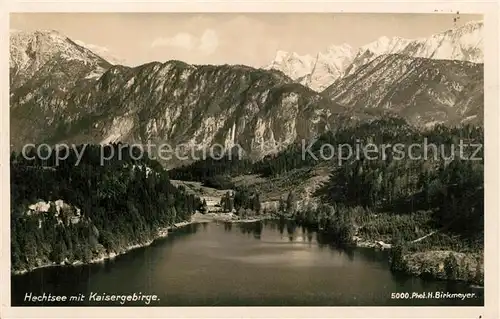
[[281, 205], [451, 267], [257, 203], [224, 203], [227, 202], [397, 254], [290, 203], [204, 206], [231, 203], [242, 213]]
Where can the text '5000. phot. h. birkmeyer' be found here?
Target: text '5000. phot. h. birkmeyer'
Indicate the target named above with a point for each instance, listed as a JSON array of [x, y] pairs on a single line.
[[247, 159]]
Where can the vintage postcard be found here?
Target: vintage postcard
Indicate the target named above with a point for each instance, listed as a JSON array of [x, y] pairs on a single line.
[[198, 161]]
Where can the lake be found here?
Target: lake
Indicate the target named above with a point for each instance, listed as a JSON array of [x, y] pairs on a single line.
[[248, 264]]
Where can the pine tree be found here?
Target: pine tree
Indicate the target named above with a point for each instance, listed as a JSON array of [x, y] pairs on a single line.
[[281, 205], [290, 203], [257, 203]]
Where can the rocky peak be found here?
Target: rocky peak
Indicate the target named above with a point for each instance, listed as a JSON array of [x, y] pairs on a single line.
[[30, 51], [420, 89], [318, 71], [174, 102]]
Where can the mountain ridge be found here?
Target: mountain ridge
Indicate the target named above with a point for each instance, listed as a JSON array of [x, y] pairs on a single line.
[[57, 97], [174, 102], [419, 89], [30, 51], [460, 43]]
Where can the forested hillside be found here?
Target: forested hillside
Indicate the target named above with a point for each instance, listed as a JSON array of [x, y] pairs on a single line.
[[426, 186], [79, 211]]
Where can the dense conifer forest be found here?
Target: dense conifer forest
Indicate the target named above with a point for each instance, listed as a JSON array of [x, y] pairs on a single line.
[[121, 203], [436, 194]]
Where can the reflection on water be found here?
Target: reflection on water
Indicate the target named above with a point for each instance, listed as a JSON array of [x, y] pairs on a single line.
[[228, 226], [249, 228], [262, 263]]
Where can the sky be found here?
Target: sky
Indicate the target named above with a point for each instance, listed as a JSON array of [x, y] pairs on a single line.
[[233, 38]]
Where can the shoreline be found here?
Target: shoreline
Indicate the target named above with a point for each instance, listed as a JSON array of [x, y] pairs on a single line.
[[162, 232], [227, 217], [199, 218], [434, 267]]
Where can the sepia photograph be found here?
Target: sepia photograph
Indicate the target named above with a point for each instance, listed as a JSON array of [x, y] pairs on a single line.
[[247, 159]]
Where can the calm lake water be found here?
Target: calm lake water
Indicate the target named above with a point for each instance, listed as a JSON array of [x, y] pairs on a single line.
[[253, 264]]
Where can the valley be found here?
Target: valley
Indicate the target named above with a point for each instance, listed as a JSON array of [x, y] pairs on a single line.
[[402, 219]]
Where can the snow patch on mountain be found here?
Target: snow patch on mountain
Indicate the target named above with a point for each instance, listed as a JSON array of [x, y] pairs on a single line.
[[30, 51], [44, 45], [292, 64], [385, 45], [318, 71], [464, 44]]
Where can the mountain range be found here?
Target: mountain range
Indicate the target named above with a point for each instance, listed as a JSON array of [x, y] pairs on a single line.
[[320, 70], [62, 91], [423, 91]]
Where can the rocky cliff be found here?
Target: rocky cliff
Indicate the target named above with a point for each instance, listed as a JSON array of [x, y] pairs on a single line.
[[56, 97]]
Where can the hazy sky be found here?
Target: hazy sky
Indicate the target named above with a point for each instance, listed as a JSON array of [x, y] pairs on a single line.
[[251, 39]]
